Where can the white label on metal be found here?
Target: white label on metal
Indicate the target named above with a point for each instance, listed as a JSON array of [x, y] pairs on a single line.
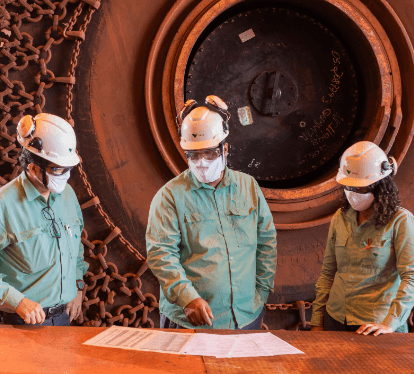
[[245, 116], [247, 35]]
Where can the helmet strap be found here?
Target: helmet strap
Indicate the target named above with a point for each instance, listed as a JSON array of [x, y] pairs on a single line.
[[44, 180]]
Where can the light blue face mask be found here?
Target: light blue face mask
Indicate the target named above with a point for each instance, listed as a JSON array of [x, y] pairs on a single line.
[[57, 183]]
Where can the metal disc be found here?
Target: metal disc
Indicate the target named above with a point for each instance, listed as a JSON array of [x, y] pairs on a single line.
[[290, 85]]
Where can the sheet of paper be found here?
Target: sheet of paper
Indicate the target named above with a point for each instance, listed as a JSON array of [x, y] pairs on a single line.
[[273, 345], [168, 342], [210, 345], [140, 339], [200, 344]]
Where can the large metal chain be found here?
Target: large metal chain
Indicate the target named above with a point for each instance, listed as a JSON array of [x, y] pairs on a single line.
[[19, 54]]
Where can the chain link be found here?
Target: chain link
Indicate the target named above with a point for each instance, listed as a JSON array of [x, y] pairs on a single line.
[[19, 51]]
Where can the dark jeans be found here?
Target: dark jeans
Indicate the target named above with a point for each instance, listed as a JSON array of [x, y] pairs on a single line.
[[57, 320], [331, 324], [166, 323]]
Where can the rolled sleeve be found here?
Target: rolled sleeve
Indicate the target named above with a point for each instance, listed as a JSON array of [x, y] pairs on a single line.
[[9, 296]]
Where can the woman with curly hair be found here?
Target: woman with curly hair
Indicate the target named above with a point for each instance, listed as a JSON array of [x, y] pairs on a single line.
[[367, 279]]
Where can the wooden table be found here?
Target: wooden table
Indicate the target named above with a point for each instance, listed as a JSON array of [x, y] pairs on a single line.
[[36, 349]]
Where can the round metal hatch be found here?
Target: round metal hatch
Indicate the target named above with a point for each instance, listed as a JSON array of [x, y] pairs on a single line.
[[341, 43], [290, 84]]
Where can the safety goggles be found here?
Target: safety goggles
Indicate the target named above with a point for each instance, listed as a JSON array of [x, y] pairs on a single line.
[[360, 190], [207, 154], [50, 216], [58, 170]]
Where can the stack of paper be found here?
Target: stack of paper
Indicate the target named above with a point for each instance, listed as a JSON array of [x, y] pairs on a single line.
[[237, 345]]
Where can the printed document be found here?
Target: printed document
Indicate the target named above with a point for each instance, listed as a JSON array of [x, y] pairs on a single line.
[[200, 344]]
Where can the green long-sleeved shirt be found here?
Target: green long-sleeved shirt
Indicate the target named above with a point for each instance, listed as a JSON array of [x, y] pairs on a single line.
[[215, 243], [367, 274], [32, 264]]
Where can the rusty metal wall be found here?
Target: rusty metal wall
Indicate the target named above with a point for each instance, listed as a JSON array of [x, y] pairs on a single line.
[[125, 168]]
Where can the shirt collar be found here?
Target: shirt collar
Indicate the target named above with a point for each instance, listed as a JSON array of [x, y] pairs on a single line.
[[351, 214], [31, 191], [228, 179]]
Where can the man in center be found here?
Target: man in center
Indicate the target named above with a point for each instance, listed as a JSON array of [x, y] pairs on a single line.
[[211, 241]]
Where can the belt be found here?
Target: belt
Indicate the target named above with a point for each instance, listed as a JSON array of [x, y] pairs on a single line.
[[50, 312], [54, 311]]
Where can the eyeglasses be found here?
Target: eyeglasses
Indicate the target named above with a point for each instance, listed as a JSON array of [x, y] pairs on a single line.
[[50, 216], [59, 170], [361, 190], [207, 154]]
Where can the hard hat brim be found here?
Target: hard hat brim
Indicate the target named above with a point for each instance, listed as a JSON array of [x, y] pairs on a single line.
[[70, 161], [356, 182]]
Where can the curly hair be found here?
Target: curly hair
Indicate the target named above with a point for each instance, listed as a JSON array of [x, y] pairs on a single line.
[[26, 158], [386, 201]]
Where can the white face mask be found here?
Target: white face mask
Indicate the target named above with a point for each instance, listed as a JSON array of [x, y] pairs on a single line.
[[359, 201], [57, 183], [207, 171]]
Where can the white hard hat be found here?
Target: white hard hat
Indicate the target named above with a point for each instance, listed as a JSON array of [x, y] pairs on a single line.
[[363, 164], [50, 137], [204, 127]]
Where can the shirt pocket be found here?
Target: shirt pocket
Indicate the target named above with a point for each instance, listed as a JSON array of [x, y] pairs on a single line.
[[377, 254], [341, 252], [244, 221], [33, 250], [203, 234], [72, 231]]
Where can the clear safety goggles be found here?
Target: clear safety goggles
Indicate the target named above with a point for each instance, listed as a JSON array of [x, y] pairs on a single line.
[[58, 170], [207, 154]]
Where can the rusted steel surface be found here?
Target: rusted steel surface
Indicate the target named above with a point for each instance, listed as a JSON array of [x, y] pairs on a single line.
[[327, 352], [51, 349], [20, 42], [39, 350]]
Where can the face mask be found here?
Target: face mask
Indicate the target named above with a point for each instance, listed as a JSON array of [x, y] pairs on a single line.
[[359, 201], [57, 183], [207, 171]]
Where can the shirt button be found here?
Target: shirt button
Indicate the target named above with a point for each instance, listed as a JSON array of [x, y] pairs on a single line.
[[231, 258], [63, 277]]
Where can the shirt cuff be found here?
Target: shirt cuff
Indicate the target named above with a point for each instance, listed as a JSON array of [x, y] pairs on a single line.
[[263, 294], [392, 322], [13, 298], [317, 319], [81, 270], [186, 297]]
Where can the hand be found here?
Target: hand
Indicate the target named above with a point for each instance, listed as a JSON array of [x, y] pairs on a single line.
[[378, 327], [198, 312], [317, 328], [30, 311], [74, 307]]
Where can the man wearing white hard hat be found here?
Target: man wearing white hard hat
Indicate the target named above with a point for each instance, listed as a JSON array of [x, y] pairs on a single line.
[[367, 279], [41, 254], [211, 241]]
